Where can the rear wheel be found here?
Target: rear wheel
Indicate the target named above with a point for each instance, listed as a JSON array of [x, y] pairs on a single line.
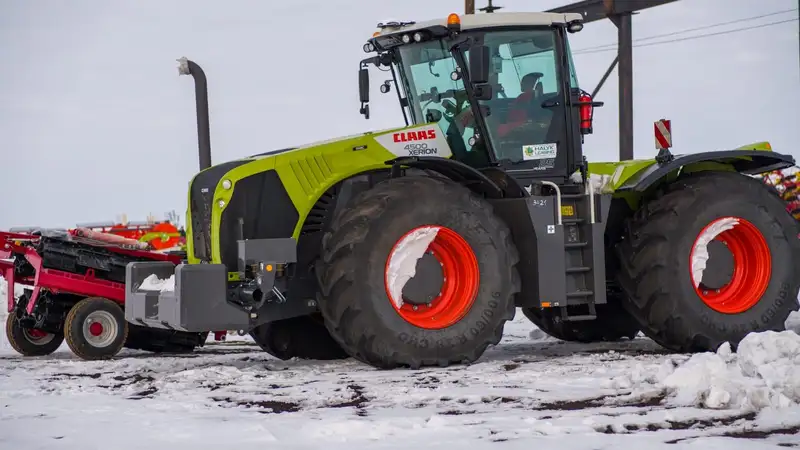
[[711, 259], [419, 271], [303, 337], [30, 341], [613, 323], [96, 328]]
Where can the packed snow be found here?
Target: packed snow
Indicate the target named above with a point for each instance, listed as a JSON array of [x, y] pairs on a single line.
[[153, 283], [531, 391], [403, 260]]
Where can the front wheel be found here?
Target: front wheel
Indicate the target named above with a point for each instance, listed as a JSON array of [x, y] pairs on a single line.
[[418, 271], [713, 258]]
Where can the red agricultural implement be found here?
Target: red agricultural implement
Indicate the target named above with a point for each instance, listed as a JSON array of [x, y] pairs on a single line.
[[153, 235], [787, 186], [77, 294]]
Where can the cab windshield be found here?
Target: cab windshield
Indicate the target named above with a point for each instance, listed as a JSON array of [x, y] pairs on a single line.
[[525, 120]]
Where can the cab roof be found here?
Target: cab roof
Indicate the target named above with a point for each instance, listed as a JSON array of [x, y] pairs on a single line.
[[475, 21]]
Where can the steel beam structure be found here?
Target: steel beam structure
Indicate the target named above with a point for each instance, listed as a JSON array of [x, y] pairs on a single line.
[[620, 13]]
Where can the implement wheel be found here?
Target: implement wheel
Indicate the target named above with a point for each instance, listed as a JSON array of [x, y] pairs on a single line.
[[96, 328], [714, 257], [30, 341], [418, 271]]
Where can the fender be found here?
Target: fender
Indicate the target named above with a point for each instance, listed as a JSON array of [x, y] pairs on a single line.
[[450, 168], [749, 162]]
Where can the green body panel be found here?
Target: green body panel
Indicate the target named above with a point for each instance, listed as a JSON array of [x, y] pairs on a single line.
[[308, 171], [617, 174]]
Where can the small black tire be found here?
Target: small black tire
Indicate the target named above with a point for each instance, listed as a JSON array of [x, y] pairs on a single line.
[[353, 294], [655, 267], [613, 323], [96, 343], [26, 344], [303, 337]]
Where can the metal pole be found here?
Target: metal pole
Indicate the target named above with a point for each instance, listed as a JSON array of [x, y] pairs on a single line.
[[469, 6], [625, 52]]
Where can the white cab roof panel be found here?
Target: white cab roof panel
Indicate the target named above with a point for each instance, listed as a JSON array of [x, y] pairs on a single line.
[[486, 20]]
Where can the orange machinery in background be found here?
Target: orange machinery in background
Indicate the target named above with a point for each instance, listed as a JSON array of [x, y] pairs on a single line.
[[150, 234]]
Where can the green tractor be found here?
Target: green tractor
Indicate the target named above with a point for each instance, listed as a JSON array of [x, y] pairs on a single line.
[[413, 246]]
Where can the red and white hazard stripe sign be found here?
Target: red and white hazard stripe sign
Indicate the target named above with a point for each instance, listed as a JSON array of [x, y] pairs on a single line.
[[663, 129]]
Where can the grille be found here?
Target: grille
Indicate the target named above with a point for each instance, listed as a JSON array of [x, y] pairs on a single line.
[[201, 195]]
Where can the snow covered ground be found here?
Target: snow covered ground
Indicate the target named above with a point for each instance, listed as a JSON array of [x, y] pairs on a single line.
[[528, 392]]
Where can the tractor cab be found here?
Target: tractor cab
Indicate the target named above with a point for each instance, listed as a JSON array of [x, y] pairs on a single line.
[[502, 87]]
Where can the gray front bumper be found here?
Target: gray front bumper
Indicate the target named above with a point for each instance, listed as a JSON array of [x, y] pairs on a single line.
[[200, 300], [197, 304]]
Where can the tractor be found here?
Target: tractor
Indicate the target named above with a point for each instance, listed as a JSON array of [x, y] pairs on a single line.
[[413, 246]]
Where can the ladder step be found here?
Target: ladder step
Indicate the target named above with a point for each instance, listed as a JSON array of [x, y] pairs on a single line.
[[572, 245], [572, 221], [578, 294], [572, 195], [579, 269]]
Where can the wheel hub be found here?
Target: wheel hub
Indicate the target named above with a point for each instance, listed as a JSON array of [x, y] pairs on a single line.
[[100, 328], [730, 265], [426, 284], [37, 337]]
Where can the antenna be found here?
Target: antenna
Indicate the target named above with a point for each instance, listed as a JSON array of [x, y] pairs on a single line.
[[490, 8]]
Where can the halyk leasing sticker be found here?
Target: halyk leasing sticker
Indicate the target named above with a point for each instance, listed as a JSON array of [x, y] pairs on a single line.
[[539, 151]]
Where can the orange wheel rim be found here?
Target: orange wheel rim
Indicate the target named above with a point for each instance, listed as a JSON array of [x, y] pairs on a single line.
[[752, 261], [461, 279]]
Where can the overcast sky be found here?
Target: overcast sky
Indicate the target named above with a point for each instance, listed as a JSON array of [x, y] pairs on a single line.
[[96, 122]]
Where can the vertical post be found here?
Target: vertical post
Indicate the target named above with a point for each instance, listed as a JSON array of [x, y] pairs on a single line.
[[189, 67], [625, 52], [469, 6]]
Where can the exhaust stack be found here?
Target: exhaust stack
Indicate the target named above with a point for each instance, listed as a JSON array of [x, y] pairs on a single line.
[[189, 67]]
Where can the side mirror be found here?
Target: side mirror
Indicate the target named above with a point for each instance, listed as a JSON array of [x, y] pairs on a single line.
[[479, 64], [363, 85]]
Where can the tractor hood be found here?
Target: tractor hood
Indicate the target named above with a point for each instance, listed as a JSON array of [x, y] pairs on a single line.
[[285, 184]]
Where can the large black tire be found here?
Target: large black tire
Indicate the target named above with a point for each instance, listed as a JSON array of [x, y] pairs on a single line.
[[655, 262], [29, 343], [613, 323], [303, 337], [81, 336], [354, 301]]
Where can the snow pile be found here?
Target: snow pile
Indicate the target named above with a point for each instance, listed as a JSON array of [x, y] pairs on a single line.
[[764, 373], [153, 283], [793, 322]]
